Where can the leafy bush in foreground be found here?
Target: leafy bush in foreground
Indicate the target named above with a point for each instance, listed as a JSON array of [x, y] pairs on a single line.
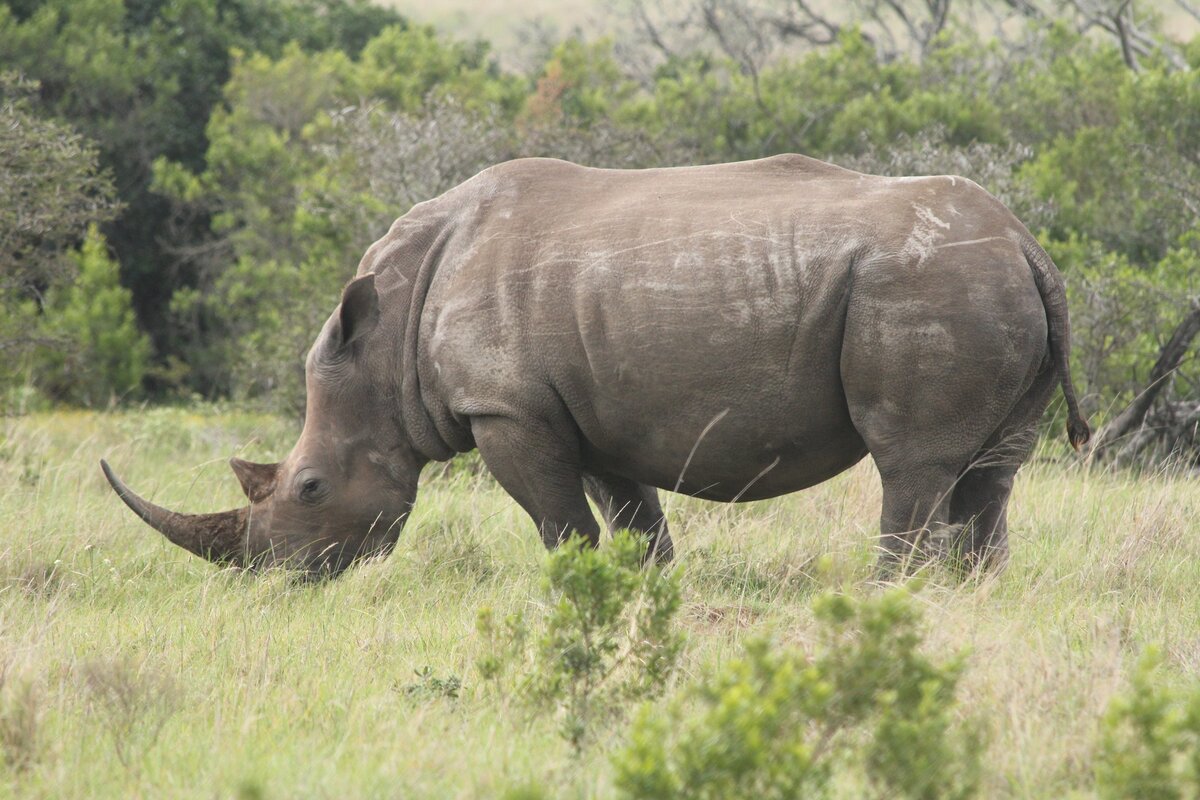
[[1150, 740], [781, 723], [609, 637]]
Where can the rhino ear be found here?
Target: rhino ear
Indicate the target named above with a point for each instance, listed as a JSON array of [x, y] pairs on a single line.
[[359, 311], [258, 480]]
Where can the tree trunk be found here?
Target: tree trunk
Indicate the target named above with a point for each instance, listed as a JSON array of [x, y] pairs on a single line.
[[1116, 436]]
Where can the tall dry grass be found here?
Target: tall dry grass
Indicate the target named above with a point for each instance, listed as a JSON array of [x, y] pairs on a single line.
[[132, 669]]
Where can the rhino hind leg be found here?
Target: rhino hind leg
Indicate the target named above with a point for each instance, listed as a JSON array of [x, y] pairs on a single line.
[[628, 505], [915, 520], [540, 468], [979, 505], [921, 448]]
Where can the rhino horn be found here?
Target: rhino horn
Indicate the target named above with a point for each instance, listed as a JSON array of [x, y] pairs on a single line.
[[221, 538]]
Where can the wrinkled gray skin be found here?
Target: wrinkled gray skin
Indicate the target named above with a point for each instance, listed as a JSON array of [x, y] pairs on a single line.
[[735, 332]]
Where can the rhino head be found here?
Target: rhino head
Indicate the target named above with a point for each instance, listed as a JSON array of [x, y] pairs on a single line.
[[345, 490]]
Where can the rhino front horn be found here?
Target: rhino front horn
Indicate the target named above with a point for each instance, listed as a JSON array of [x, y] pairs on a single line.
[[221, 538]]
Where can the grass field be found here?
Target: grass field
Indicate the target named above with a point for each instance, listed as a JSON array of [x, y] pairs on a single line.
[[131, 669]]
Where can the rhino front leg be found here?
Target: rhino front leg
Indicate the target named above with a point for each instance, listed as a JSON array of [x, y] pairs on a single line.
[[633, 506], [540, 468], [980, 501]]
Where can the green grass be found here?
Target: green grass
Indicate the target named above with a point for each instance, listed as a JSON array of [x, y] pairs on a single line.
[[130, 668]]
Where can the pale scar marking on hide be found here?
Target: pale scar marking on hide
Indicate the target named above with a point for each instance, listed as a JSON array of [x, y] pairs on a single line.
[[655, 243], [741, 223], [923, 240], [926, 214], [970, 241]]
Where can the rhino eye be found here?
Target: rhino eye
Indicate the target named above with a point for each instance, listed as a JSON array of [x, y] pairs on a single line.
[[312, 490]]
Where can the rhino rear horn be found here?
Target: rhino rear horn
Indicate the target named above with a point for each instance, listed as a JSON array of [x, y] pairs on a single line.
[[220, 538]]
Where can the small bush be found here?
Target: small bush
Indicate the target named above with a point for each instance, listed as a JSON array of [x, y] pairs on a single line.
[[779, 723], [504, 645], [1150, 740], [608, 639], [429, 686]]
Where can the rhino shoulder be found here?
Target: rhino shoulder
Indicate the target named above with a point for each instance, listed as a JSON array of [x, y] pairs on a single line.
[[508, 176]]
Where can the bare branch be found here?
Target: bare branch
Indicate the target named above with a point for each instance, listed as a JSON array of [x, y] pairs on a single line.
[[1169, 359], [939, 13], [651, 30], [1120, 23], [801, 22], [1188, 8], [898, 9], [1123, 34]]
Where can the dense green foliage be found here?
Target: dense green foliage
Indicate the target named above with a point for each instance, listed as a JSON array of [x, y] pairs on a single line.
[[57, 188], [781, 723], [1150, 745], [97, 352], [291, 211], [258, 147], [141, 79]]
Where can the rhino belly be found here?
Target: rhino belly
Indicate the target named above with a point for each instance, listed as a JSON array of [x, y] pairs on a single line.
[[742, 472], [723, 423]]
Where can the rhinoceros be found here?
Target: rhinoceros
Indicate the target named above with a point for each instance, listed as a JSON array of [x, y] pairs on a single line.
[[734, 332]]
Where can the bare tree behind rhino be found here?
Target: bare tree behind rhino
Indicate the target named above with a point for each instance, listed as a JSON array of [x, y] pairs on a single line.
[[734, 332]]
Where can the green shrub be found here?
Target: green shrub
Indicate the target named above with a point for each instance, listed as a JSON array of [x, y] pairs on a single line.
[[1150, 740], [98, 351], [608, 638], [54, 186], [781, 723], [503, 646], [429, 686]]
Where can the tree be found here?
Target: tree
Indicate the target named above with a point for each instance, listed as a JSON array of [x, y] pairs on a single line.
[[140, 78], [53, 189], [96, 352], [301, 176], [754, 34]]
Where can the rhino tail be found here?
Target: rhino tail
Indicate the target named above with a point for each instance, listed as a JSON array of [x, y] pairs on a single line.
[[1054, 297]]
